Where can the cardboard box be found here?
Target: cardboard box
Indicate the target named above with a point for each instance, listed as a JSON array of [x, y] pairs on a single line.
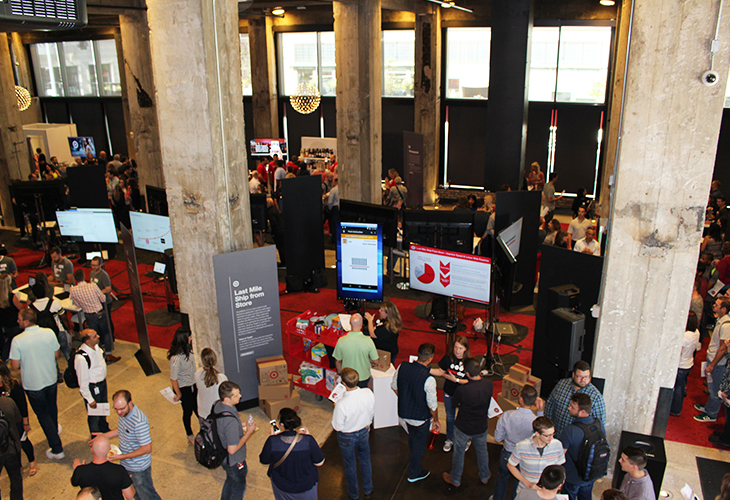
[[383, 362], [493, 422], [511, 389], [520, 373], [272, 408], [277, 391], [506, 404], [536, 383], [271, 370]]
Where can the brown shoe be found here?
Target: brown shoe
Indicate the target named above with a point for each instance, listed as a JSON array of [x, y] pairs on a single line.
[[447, 477], [110, 358]]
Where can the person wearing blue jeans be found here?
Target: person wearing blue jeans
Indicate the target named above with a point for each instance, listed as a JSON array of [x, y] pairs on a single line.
[[716, 351], [235, 485], [690, 344], [351, 418], [451, 368], [44, 405], [233, 437], [143, 485], [472, 400]]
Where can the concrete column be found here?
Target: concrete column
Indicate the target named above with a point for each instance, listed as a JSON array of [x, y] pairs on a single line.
[[615, 105], [428, 96], [143, 130], [509, 63], [263, 77], [12, 138], [129, 135], [22, 63], [666, 155], [359, 99], [196, 63]]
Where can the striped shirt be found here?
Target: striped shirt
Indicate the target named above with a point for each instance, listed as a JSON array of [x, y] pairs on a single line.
[[88, 297], [531, 462], [514, 426], [182, 369], [134, 432]]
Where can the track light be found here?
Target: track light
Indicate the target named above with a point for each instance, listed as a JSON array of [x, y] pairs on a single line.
[[278, 11], [608, 3]]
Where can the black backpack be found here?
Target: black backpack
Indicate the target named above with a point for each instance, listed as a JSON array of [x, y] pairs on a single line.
[[594, 453], [69, 376], [209, 450], [45, 318], [5, 436]]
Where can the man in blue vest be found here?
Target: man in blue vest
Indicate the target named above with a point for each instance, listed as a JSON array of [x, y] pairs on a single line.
[[417, 406]]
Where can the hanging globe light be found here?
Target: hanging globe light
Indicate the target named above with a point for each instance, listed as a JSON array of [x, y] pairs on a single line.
[[23, 97], [305, 99]]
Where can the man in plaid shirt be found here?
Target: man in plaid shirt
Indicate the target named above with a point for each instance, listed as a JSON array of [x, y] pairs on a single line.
[[91, 300], [556, 408]]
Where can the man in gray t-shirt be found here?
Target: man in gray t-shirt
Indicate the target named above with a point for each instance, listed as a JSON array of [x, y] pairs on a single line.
[[547, 488], [100, 278], [233, 437], [549, 198], [63, 270]]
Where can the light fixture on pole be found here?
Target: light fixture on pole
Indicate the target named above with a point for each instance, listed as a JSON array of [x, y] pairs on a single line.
[[306, 98], [23, 97]]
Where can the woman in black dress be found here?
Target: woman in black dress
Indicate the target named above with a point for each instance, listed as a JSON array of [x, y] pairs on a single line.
[[12, 388], [385, 328]]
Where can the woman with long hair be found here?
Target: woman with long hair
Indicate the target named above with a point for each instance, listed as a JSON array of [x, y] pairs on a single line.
[[119, 204], [12, 388], [9, 307], [182, 376], [385, 329], [293, 475], [713, 241], [207, 381], [451, 368]]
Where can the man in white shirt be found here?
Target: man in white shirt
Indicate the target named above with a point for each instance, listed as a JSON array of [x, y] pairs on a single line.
[[91, 373], [351, 419], [716, 361], [578, 227], [255, 183], [588, 244]]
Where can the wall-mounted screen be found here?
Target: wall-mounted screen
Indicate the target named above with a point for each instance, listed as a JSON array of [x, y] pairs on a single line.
[[151, 232], [360, 261], [453, 274], [268, 147], [82, 146], [88, 225]]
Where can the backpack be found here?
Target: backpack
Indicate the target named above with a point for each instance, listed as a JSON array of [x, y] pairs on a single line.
[[594, 453], [45, 318], [69, 376], [209, 450], [5, 436]]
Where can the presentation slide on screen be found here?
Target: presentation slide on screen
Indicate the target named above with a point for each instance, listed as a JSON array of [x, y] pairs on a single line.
[[360, 261], [459, 275], [81, 146], [268, 147], [151, 232], [94, 225]]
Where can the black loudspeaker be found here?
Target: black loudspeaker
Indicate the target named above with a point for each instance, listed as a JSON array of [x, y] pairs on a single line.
[[564, 296], [319, 278], [294, 283], [656, 458], [565, 329], [170, 268]]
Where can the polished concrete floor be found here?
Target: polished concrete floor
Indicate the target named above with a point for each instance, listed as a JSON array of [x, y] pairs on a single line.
[[177, 475]]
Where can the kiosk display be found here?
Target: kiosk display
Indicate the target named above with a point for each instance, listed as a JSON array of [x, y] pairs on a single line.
[[151, 232], [453, 274], [88, 225], [81, 146], [268, 147], [448, 230], [387, 217], [360, 262]]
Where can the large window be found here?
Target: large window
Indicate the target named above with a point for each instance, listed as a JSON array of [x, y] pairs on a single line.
[[245, 65], [569, 64], [299, 61], [399, 55], [86, 68], [467, 62]]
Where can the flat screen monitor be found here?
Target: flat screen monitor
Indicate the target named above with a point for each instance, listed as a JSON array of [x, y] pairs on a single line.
[[81, 146], [88, 225], [268, 147], [151, 232], [360, 261], [387, 217], [156, 200], [453, 274], [444, 229]]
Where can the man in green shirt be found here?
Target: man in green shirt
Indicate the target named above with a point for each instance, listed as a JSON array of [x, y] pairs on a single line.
[[356, 351]]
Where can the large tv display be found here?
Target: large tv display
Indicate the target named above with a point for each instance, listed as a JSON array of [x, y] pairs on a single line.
[[268, 147], [151, 232], [387, 217], [81, 146], [445, 229], [88, 225], [360, 262]]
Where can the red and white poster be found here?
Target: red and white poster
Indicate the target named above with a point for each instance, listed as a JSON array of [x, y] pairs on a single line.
[[454, 274]]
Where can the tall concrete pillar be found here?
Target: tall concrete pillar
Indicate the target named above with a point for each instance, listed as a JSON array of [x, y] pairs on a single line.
[[668, 137], [359, 99], [129, 135], [428, 96], [263, 77], [509, 63], [196, 62], [22, 66], [143, 130], [13, 152]]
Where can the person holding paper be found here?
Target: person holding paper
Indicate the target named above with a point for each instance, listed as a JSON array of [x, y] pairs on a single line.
[[351, 418], [90, 368], [182, 376], [473, 400]]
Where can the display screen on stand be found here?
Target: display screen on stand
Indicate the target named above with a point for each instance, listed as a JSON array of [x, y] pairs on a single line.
[[88, 225], [151, 232], [360, 262]]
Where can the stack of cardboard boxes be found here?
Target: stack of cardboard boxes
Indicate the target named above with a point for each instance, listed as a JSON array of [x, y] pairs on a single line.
[[276, 389], [512, 385]]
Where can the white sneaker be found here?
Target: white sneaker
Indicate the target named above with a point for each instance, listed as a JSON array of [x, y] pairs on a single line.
[[448, 445], [468, 444], [55, 456], [60, 429]]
